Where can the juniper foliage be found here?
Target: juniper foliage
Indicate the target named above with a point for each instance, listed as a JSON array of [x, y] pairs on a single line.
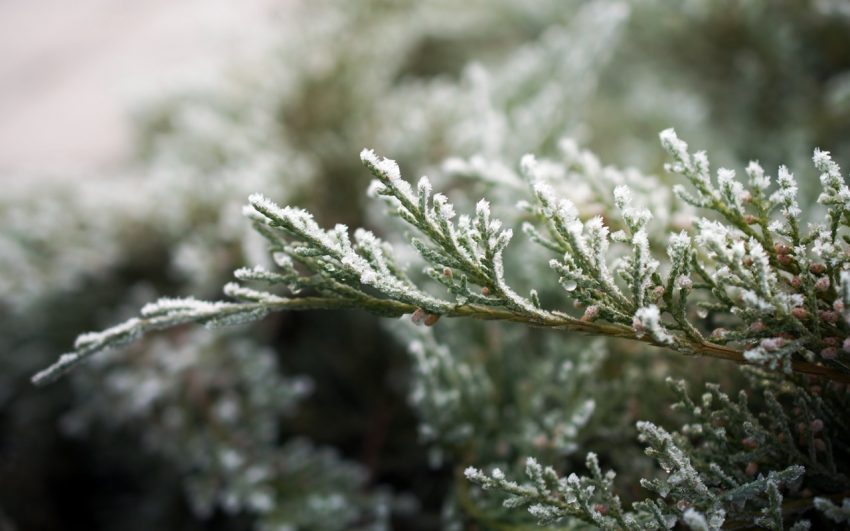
[[782, 293], [490, 395]]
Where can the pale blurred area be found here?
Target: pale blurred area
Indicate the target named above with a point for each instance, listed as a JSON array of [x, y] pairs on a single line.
[[71, 71]]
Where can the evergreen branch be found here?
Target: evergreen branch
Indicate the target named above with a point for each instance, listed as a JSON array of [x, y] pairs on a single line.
[[361, 272]]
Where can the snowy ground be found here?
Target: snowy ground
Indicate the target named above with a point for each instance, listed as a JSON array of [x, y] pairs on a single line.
[[70, 70]]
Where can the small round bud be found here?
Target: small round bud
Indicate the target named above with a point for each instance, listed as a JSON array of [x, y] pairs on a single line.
[[781, 248], [431, 319], [817, 268], [750, 219], [758, 326], [784, 259], [829, 353], [418, 316], [838, 305], [750, 443], [816, 425], [796, 282], [745, 196], [685, 282], [773, 343], [800, 313], [591, 313], [658, 291], [747, 261], [719, 333], [601, 508], [485, 291], [827, 316], [845, 346], [822, 284], [820, 446], [831, 341], [447, 272], [752, 468]]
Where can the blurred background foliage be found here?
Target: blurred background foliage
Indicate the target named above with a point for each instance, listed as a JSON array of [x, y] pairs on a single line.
[[338, 420]]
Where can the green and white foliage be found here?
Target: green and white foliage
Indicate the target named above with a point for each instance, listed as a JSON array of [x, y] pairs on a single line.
[[562, 241], [534, 405], [757, 272], [754, 271], [726, 466], [838, 514], [212, 405]]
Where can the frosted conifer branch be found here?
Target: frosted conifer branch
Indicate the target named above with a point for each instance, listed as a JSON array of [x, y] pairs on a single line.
[[774, 290], [711, 478]]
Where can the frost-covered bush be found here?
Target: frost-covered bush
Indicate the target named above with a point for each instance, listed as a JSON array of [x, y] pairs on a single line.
[[781, 293], [725, 266]]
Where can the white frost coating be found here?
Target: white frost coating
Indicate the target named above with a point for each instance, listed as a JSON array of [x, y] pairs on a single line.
[[482, 209], [758, 179], [529, 167], [679, 244], [622, 196], [118, 334], [424, 188], [388, 172], [167, 306], [677, 148], [636, 218], [725, 177], [731, 190], [824, 163], [786, 195], [835, 192], [446, 209], [648, 320], [695, 520], [375, 188], [472, 473], [713, 236], [237, 291], [387, 167], [762, 268]]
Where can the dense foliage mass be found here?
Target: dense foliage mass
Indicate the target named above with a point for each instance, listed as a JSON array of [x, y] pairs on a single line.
[[547, 327]]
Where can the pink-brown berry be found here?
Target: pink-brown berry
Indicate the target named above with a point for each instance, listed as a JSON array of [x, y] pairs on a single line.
[[781, 248], [827, 316], [817, 268], [591, 313], [752, 468], [829, 353], [750, 443], [800, 313]]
